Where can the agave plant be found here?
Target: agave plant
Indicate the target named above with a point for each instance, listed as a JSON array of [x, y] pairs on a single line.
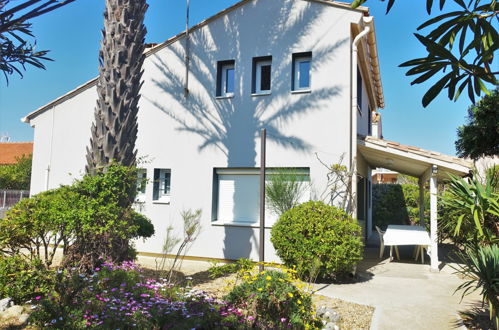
[[472, 208], [114, 131], [481, 268]]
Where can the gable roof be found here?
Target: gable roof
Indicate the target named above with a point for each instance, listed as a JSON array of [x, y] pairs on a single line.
[[10, 151], [158, 47]]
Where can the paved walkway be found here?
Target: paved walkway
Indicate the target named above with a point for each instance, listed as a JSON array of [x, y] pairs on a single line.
[[405, 294]]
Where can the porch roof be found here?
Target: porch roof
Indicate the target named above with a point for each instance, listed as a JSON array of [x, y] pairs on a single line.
[[409, 160]]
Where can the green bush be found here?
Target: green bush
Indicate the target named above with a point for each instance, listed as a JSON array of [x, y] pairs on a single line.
[[16, 176], [270, 300], [314, 230], [397, 204], [22, 279], [90, 219], [470, 210]]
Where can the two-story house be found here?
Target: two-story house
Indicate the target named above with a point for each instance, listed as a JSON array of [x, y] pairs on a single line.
[[306, 70]]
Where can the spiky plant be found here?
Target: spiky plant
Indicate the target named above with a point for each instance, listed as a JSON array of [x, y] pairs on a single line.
[[114, 131]]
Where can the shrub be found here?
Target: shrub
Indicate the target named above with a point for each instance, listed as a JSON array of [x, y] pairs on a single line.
[[270, 300], [397, 204], [480, 265], [22, 279], [16, 176], [315, 230], [90, 219], [471, 210]]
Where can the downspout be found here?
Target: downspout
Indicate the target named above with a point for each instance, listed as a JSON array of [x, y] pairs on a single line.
[[368, 21]]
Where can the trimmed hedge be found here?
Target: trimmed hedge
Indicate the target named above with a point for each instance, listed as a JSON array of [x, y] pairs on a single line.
[[313, 232]]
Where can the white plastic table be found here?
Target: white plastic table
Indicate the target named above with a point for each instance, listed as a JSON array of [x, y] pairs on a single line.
[[407, 235]]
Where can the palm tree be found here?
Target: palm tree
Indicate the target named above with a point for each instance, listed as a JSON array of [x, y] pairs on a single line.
[[114, 131]]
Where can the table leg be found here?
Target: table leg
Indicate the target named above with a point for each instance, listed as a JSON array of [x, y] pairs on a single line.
[[397, 252], [391, 252]]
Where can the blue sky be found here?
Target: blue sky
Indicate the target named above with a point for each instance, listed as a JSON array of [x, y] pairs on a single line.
[[73, 35]]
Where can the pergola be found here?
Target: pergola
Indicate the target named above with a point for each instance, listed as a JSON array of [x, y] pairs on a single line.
[[423, 164]]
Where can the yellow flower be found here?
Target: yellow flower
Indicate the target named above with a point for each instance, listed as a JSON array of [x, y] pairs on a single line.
[[260, 289], [268, 278], [290, 295], [299, 301]]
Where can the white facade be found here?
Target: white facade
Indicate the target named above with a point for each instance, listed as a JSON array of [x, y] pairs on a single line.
[[199, 136]]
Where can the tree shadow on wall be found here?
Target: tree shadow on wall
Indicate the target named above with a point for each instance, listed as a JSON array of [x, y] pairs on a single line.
[[232, 125]]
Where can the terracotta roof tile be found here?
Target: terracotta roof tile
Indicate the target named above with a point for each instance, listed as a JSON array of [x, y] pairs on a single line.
[[9, 151]]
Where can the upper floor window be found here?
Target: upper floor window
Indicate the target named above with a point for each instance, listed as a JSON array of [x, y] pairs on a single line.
[[162, 180], [225, 78], [301, 71], [262, 75]]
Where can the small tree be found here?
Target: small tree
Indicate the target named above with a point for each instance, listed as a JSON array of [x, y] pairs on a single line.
[[18, 175], [479, 137]]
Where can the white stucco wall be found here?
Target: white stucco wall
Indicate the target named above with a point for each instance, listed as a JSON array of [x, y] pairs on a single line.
[[193, 135]]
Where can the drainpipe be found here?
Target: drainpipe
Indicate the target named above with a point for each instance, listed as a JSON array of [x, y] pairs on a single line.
[[368, 22]]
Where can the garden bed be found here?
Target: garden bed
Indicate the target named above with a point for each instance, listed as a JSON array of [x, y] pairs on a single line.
[[353, 316]]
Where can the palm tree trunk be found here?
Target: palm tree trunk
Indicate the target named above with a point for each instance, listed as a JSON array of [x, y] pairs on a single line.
[[114, 131]]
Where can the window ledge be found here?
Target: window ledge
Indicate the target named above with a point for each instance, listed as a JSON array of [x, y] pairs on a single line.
[[223, 97], [237, 224], [302, 91], [162, 200], [261, 94]]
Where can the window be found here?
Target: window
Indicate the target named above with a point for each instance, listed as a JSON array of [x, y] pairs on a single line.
[[225, 78], [141, 181], [301, 71], [369, 122], [236, 195], [359, 91], [162, 180], [262, 75]]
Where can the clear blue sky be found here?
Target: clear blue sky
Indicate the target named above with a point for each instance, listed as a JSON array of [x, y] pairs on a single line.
[[73, 34]]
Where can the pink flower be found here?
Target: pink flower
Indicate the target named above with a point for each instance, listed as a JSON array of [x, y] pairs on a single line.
[[283, 319], [38, 297]]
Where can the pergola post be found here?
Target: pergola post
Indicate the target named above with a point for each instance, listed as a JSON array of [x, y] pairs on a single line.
[[422, 221], [433, 219]]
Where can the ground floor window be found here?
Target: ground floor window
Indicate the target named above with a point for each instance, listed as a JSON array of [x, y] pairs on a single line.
[[236, 195]]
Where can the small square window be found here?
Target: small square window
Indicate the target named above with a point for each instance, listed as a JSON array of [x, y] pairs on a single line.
[[225, 78], [262, 75], [302, 63], [141, 181], [162, 181]]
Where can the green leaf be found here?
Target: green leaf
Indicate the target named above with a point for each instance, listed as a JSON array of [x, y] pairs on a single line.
[[435, 89]]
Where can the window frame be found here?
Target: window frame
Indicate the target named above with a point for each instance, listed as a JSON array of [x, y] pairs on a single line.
[[222, 81], [298, 58], [258, 63], [159, 196], [254, 172]]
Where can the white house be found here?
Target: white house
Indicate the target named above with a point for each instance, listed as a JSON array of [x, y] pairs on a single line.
[[299, 68]]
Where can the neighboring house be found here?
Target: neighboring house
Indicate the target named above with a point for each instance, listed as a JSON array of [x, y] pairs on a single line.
[[381, 175], [299, 68], [10, 152]]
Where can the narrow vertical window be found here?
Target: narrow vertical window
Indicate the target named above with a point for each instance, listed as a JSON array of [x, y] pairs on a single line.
[[302, 64], [141, 181], [162, 183], [262, 75], [359, 91], [225, 78]]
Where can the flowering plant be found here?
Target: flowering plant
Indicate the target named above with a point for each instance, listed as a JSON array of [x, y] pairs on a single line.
[[274, 299], [121, 296]]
